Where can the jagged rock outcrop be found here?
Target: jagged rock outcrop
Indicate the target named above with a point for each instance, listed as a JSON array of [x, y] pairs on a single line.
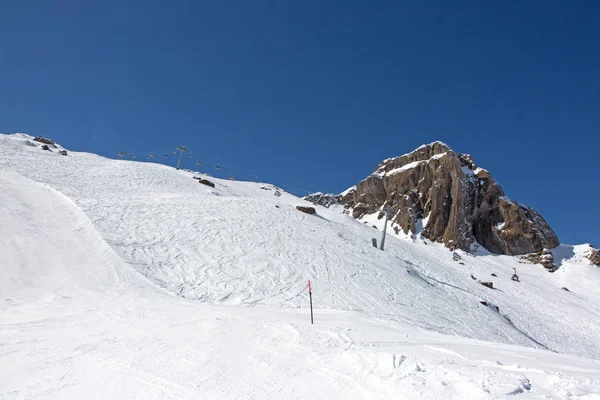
[[325, 200], [594, 256], [544, 257], [445, 197]]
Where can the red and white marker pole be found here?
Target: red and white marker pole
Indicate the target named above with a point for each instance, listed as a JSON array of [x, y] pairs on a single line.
[[310, 296]]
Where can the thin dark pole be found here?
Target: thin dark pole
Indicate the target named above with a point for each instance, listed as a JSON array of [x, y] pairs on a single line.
[[384, 229], [311, 308], [179, 160]]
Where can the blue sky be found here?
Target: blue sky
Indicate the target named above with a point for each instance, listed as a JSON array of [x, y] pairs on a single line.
[[313, 94]]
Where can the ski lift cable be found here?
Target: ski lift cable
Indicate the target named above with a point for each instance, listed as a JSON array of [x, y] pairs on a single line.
[[251, 175], [140, 153], [225, 166]]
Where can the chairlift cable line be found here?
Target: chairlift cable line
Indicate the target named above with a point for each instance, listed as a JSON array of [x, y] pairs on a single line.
[[225, 166]]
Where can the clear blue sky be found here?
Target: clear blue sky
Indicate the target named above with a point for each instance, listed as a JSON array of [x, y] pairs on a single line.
[[314, 93]]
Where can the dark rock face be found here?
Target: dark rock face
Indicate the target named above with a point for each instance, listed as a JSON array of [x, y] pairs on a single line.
[[204, 181], [372, 193], [457, 203], [44, 140], [487, 284], [207, 183], [307, 210]]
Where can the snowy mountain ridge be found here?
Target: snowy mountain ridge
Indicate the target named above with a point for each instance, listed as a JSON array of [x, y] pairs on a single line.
[[100, 245]]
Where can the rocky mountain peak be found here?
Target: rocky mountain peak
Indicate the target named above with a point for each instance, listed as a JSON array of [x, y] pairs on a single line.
[[446, 197], [421, 154]]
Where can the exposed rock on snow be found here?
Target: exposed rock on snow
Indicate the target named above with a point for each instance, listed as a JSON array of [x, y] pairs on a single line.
[[453, 200], [487, 284], [325, 200], [205, 182], [307, 210], [44, 140], [594, 256], [544, 258]]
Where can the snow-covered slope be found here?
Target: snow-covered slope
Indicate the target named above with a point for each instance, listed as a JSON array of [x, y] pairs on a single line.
[[80, 234]]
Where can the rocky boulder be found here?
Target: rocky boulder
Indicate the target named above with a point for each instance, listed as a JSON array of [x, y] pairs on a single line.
[[307, 210], [44, 140], [444, 196], [204, 181]]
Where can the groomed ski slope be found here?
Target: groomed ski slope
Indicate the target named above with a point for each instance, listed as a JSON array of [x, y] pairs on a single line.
[[79, 318]]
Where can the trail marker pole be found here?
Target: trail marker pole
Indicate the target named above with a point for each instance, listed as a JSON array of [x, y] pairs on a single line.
[[311, 308]]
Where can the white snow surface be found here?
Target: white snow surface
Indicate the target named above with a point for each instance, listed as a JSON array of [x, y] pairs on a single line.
[[123, 279]]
